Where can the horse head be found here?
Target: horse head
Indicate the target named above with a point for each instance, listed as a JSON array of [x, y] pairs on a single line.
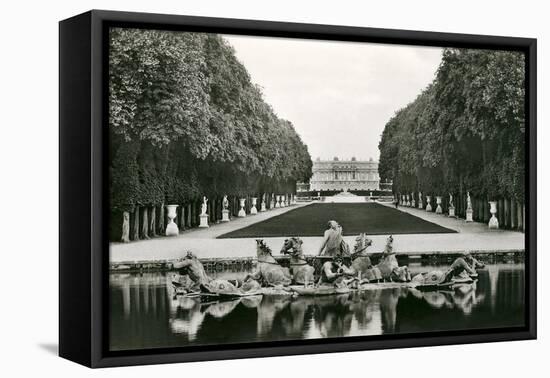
[[362, 242], [292, 246], [389, 245], [263, 251]]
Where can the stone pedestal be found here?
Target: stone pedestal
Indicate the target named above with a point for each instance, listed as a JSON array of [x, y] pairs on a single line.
[[241, 213], [204, 220], [469, 215], [407, 201], [253, 210], [278, 202], [438, 209], [283, 201], [451, 211], [493, 222], [428, 203], [171, 228], [262, 207], [225, 215]]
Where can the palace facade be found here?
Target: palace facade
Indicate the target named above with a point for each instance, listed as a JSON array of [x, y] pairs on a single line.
[[345, 175]]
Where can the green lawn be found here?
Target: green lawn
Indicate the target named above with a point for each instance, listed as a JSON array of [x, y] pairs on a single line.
[[355, 218]]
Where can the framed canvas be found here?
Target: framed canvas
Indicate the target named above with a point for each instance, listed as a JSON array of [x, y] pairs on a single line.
[[234, 188]]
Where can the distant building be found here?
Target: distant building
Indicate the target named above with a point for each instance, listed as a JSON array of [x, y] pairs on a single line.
[[344, 175], [302, 186], [386, 186]]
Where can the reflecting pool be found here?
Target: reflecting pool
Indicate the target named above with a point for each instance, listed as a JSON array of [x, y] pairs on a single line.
[[146, 314]]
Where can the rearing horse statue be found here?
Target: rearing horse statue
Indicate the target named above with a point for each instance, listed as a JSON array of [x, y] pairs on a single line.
[[390, 269], [268, 270], [361, 262], [301, 271]]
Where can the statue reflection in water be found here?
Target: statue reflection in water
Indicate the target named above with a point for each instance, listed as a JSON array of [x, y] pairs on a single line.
[[462, 297], [371, 312]]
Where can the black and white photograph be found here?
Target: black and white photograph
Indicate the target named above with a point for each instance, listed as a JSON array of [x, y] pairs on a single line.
[[243, 188], [269, 189]]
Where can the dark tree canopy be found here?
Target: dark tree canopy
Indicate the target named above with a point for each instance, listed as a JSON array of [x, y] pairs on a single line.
[[464, 132], [185, 120]]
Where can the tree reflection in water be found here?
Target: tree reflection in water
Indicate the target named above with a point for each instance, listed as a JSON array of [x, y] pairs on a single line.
[[145, 314]]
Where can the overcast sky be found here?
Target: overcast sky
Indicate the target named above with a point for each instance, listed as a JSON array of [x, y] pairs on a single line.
[[338, 95]]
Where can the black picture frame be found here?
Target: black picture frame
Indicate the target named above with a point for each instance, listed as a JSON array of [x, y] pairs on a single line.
[[83, 196]]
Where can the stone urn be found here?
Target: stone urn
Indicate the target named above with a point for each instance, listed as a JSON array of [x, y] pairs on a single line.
[[283, 200], [278, 201], [413, 204], [438, 209], [241, 213], [171, 228], [253, 210], [428, 203], [420, 204], [493, 222]]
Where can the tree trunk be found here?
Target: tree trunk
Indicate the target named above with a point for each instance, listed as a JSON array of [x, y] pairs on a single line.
[[125, 227], [135, 228], [215, 210], [145, 224], [501, 218], [194, 214], [188, 215], [153, 221], [519, 216], [513, 212], [523, 216], [506, 213], [182, 218], [483, 211], [161, 228]]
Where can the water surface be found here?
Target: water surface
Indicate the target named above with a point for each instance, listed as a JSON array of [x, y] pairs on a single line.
[[146, 314]]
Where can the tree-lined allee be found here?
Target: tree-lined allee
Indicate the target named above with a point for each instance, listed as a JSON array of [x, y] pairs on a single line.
[[464, 132], [185, 120]]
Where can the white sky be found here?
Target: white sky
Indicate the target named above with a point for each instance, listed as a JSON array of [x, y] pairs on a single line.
[[338, 95]]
